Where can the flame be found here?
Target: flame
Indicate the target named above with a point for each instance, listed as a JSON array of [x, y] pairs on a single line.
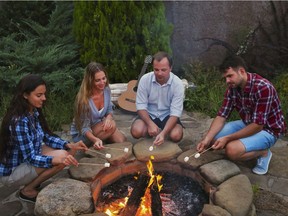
[[145, 206]]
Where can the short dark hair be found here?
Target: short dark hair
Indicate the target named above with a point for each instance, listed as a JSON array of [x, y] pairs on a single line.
[[234, 62], [161, 55]]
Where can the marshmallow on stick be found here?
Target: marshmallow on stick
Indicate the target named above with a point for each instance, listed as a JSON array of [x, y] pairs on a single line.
[[97, 152], [93, 164], [120, 149], [196, 154]]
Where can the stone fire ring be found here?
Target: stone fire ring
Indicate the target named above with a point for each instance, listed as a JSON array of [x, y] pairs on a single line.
[[230, 192]]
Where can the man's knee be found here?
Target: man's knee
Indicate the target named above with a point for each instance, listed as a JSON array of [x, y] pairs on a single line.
[[136, 132], [176, 135], [232, 152]]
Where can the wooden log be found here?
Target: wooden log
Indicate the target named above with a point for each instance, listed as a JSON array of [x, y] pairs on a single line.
[[135, 197], [156, 203]]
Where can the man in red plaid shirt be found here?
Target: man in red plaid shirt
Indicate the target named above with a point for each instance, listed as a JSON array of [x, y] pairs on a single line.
[[262, 121]]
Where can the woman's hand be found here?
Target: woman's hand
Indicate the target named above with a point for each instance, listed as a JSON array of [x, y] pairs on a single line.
[[98, 144], [77, 146], [107, 123], [70, 160]]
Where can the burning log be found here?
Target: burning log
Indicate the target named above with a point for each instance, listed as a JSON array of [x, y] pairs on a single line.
[[156, 203], [135, 197]]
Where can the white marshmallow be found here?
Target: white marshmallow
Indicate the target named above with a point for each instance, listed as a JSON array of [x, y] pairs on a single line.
[[151, 148], [186, 159], [107, 164], [108, 155], [126, 149], [197, 155]]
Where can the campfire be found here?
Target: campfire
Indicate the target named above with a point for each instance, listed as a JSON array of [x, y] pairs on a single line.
[[144, 194]]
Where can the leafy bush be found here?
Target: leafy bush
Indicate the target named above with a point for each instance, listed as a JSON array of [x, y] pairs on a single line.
[[208, 95], [12, 14], [281, 85]]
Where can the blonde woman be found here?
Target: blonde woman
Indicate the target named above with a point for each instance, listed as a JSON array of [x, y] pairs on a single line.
[[93, 119]]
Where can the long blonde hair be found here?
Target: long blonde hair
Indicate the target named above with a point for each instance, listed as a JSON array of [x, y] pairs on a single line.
[[86, 91]]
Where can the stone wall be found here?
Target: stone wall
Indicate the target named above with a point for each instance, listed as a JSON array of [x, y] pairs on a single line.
[[229, 21]]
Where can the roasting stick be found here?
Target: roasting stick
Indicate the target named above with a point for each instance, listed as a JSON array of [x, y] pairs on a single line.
[[120, 149], [94, 164], [197, 154], [106, 155]]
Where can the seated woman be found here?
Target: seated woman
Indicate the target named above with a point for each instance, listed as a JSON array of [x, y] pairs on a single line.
[[93, 120], [24, 160]]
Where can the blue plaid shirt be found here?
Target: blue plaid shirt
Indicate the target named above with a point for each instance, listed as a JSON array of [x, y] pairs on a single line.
[[27, 137]]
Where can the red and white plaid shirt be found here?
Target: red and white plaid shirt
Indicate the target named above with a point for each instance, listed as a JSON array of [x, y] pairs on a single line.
[[257, 103]]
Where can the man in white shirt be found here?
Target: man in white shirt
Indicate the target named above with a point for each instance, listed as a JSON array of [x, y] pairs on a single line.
[[159, 103]]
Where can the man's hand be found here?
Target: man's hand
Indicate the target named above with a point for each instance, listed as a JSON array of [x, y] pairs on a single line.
[[202, 145], [221, 142], [159, 139], [153, 130]]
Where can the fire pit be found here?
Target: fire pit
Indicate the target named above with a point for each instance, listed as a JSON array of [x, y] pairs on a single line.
[[162, 193], [229, 192], [184, 192]]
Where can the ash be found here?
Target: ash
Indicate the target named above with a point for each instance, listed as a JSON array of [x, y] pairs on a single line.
[[187, 195]]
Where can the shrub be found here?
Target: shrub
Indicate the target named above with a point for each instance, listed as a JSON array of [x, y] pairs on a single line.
[[49, 50], [208, 95], [120, 34]]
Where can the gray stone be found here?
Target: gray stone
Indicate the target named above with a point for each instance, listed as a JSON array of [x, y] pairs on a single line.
[[64, 197], [280, 143], [235, 195], [212, 210], [205, 158], [89, 170], [167, 151], [116, 150], [281, 186], [278, 164], [219, 171]]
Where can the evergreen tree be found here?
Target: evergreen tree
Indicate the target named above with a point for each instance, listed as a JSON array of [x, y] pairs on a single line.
[[13, 12], [120, 34], [48, 50]]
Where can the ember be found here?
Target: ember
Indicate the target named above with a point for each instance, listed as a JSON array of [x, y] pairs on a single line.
[[178, 195]]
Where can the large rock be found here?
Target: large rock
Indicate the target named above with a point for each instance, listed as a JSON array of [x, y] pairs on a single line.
[[165, 152], [212, 210], [235, 195], [219, 171], [64, 197], [204, 158], [90, 168], [116, 152]]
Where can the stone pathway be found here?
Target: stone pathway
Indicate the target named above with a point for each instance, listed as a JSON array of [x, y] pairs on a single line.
[[273, 186]]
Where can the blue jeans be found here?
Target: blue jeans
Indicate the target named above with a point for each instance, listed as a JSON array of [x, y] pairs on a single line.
[[259, 141]]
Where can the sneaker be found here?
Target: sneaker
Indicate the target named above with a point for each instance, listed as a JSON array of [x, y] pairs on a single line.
[[262, 164], [25, 198]]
